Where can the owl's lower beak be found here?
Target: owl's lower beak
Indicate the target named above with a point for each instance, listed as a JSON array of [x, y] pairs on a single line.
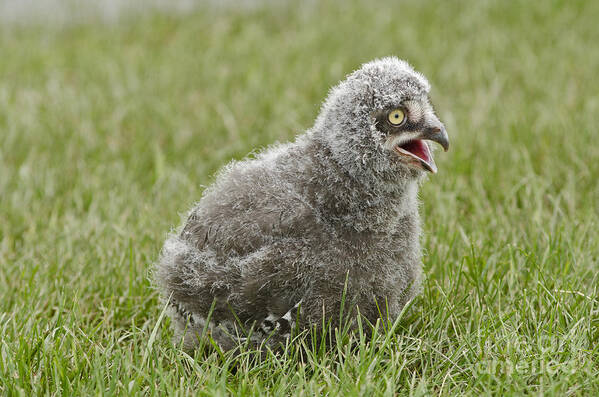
[[418, 150]]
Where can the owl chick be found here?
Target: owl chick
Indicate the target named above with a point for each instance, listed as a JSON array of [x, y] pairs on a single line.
[[308, 229]]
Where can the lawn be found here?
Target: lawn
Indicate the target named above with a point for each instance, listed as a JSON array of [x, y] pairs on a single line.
[[110, 130]]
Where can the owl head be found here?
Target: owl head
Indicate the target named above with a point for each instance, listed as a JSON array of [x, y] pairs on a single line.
[[380, 119]]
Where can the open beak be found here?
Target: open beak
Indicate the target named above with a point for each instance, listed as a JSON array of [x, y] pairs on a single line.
[[418, 150]]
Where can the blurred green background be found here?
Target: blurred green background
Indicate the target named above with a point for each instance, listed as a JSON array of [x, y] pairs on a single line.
[[112, 121]]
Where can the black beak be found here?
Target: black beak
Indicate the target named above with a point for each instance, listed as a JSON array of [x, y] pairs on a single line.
[[437, 134]]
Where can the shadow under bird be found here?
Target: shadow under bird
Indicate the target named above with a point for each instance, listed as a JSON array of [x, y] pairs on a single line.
[[282, 239]]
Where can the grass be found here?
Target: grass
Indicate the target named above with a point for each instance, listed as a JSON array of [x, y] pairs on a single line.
[[109, 132]]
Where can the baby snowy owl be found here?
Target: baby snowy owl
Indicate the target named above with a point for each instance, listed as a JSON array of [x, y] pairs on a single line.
[[281, 240]]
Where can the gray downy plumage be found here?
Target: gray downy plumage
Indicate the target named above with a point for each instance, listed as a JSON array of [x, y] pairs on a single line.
[[333, 215]]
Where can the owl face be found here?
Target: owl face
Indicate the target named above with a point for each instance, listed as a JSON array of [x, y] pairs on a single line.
[[407, 128]]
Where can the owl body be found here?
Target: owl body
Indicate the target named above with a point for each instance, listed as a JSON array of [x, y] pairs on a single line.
[[307, 229]]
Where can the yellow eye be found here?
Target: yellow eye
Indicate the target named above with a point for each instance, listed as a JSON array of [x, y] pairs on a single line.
[[396, 116]]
